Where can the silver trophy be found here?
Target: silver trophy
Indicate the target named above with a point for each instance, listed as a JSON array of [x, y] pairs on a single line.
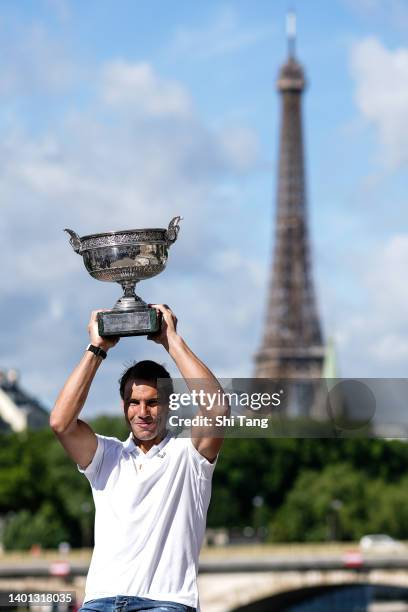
[[127, 257]]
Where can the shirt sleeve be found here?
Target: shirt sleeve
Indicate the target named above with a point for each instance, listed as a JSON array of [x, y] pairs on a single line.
[[204, 467], [98, 470]]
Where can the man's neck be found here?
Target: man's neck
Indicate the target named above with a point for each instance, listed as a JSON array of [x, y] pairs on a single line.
[[146, 445]]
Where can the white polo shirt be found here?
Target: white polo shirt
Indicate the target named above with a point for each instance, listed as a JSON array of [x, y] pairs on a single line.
[[150, 516]]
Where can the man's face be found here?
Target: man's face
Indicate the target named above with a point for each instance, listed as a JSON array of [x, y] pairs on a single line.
[[145, 416]]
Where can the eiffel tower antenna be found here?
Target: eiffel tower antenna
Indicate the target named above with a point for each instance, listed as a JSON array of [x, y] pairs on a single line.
[[291, 32]]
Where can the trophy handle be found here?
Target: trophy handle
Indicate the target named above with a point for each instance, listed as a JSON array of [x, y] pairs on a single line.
[[74, 241], [173, 230]]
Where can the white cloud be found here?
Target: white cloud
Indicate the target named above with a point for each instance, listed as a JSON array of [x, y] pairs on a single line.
[[134, 161], [394, 12], [224, 35], [135, 86], [365, 6], [381, 79], [33, 61], [240, 146], [372, 332], [61, 8], [385, 279], [392, 350], [232, 260]]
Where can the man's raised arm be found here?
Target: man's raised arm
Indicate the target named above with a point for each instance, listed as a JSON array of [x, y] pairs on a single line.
[[207, 439], [76, 436]]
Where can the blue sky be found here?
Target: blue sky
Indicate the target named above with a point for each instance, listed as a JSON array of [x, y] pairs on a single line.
[[117, 115]]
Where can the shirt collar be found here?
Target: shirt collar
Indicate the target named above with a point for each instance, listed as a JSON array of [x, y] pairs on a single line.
[[130, 447]]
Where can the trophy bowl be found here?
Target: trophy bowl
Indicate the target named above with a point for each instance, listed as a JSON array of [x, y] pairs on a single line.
[[127, 257]]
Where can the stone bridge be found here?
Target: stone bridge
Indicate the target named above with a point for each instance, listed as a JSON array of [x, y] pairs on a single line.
[[228, 592], [229, 585]]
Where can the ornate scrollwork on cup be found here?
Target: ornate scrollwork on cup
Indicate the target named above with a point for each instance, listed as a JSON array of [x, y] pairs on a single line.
[[119, 239], [118, 275]]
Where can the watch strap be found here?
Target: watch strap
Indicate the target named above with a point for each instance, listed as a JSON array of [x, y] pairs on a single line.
[[97, 350]]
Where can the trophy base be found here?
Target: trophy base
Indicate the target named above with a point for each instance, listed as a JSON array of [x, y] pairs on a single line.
[[130, 323]]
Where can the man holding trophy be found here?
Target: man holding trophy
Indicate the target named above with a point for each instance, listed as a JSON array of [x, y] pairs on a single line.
[[151, 492]]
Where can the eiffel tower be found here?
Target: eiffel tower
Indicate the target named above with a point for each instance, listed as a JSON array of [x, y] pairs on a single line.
[[292, 345]]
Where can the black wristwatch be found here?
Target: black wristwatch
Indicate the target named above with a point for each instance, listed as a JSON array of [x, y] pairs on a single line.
[[97, 350]]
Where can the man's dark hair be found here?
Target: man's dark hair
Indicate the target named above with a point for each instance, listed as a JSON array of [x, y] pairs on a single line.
[[151, 372]]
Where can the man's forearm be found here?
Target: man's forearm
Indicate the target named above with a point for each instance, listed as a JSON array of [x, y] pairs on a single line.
[[189, 365], [197, 376], [72, 398], [207, 440]]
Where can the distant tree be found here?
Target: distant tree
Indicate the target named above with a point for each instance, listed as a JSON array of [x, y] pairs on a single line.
[[26, 528], [298, 479], [317, 500], [113, 426], [387, 507]]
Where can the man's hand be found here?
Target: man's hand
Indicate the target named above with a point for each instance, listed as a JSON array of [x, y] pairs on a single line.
[[168, 331], [104, 342]]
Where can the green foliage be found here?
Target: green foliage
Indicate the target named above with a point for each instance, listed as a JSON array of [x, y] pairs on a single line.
[[43, 497], [388, 507], [26, 528], [46, 500], [309, 508], [300, 478], [364, 505], [116, 427]]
